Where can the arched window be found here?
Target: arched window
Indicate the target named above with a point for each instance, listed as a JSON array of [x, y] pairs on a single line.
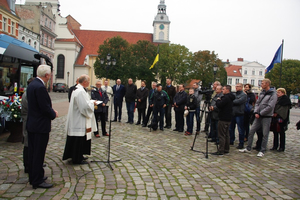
[[60, 66], [29, 42], [161, 35], [23, 38], [34, 44]]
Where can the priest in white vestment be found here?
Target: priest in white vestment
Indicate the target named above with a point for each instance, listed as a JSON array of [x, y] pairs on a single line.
[[80, 123]]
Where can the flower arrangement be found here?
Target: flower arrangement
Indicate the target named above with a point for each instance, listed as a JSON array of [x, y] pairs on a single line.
[[10, 109]]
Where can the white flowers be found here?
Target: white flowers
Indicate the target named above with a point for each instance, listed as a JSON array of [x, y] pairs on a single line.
[[12, 110], [15, 116]]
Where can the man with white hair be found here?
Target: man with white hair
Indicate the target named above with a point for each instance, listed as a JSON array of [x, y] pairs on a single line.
[[40, 114], [80, 123]]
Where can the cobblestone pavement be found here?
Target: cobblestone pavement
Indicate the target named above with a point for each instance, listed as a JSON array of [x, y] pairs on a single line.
[[154, 165]]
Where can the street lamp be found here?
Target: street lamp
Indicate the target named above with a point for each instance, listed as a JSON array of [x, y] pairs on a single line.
[[68, 73], [215, 68], [109, 62]]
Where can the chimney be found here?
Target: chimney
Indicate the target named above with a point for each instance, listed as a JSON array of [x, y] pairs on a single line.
[[240, 59]]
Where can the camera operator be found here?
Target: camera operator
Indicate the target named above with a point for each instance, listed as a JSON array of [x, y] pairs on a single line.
[[159, 100], [214, 115], [198, 95]]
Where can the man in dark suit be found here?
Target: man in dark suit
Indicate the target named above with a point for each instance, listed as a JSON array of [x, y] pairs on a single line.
[[71, 89], [40, 114], [171, 91], [141, 96], [179, 102], [150, 109], [119, 93], [100, 110]]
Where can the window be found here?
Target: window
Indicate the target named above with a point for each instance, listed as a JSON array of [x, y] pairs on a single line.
[[50, 24], [252, 82], [29, 42], [46, 22], [253, 72], [245, 71], [237, 81], [4, 24], [12, 28], [34, 44], [42, 39], [60, 66], [46, 40], [259, 82], [23, 38], [50, 42], [260, 73], [229, 81], [244, 81], [161, 35]]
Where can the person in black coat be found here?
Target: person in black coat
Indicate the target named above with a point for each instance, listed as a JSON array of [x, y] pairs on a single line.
[[171, 91], [71, 89], [224, 104], [119, 93], [141, 98], [191, 105], [150, 109], [130, 100], [179, 102], [251, 99], [100, 110], [40, 114]]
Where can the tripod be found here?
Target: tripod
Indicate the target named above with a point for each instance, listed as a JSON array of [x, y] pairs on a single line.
[[204, 111], [109, 140]]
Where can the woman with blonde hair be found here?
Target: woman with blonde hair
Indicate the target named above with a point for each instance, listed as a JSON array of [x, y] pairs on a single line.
[[280, 119]]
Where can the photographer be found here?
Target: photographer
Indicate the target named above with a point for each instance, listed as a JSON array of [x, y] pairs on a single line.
[[191, 105], [158, 101], [198, 95], [214, 115]]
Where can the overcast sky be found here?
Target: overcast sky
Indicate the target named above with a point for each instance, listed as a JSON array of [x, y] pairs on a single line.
[[251, 29]]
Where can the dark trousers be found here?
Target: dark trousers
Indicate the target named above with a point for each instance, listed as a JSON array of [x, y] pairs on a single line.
[[168, 115], [282, 140], [161, 112], [190, 121], [100, 116], [239, 120], [25, 159], [149, 111], [37, 144], [214, 130], [141, 115], [224, 138], [179, 119], [130, 110], [247, 124], [198, 118], [118, 109], [259, 134]]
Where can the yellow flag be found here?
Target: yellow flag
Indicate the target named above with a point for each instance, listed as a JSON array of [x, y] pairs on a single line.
[[155, 61]]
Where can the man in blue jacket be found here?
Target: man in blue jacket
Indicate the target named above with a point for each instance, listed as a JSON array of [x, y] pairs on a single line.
[[40, 114], [119, 93]]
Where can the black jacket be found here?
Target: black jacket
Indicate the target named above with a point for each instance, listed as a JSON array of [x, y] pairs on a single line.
[[130, 93], [142, 94], [215, 112], [71, 89], [180, 100], [171, 91], [159, 99], [191, 102], [96, 96], [225, 105], [40, 112]]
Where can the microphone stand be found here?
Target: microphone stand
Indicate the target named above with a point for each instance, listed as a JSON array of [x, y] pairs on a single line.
[[109, 138]]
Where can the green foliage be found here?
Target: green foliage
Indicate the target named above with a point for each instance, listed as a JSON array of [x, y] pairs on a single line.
[[202, 68], [290, 76]]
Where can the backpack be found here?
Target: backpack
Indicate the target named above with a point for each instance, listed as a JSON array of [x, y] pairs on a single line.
[[248, 106]]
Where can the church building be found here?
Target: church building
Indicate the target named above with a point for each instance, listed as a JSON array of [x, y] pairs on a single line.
[[76, 49]]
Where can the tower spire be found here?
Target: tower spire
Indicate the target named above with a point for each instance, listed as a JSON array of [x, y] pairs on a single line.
[[161, 24]]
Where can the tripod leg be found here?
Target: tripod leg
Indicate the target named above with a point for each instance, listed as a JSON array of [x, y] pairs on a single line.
[[200, 120]]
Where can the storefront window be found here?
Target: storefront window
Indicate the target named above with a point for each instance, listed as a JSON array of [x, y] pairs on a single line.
[[9, 76]]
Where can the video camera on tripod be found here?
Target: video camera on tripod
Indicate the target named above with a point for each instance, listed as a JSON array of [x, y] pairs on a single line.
[[207, 91]]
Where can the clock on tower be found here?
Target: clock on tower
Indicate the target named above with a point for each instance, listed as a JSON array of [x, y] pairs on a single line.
[[161, 25]]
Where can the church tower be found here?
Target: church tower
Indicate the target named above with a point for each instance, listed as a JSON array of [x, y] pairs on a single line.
[[161, 24]]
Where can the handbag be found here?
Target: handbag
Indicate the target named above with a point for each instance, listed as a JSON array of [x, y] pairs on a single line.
[[275, 124]]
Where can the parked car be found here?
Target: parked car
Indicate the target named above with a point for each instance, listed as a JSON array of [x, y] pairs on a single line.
[[61, 87]]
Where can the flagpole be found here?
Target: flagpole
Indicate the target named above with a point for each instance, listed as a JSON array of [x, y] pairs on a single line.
[[281, 63], [157, 63]]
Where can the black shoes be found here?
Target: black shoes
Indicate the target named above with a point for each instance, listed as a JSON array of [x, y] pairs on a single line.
[[240, 147], [273, 149], [45, 178], [218, 153], [138, 123], [180, 130], [168, 127], [144, 125], [175, 129], [43, 185], [280, 150], [162, 129]]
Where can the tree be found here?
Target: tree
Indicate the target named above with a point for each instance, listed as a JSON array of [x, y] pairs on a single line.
[[118, 48], [174, 61], [142, 54], [290, 76], [202, 68]]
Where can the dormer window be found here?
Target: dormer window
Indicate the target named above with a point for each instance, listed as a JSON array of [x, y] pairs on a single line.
[[234, 71]]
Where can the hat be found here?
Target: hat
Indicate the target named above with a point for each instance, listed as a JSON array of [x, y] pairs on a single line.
[[186, 112]]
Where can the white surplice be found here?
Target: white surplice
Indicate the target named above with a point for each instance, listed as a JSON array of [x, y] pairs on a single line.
[[81, 114]]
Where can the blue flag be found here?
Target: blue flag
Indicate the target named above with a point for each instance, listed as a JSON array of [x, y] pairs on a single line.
[[276, 59]]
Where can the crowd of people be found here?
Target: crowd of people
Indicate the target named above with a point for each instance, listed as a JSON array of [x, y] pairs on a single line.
[[227, 109]]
